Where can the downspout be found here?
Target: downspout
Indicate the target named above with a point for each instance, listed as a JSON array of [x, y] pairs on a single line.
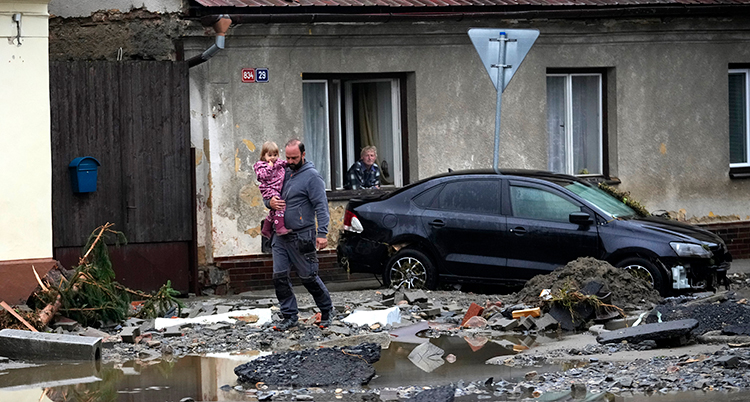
[[222, 23]]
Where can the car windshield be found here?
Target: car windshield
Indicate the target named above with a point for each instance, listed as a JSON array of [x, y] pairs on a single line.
[[601, 199]]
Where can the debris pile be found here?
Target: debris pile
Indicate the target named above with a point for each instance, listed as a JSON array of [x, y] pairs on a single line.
[[628, 292], [342, 366]]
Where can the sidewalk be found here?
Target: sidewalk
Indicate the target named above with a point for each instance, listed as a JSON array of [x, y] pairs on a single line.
[[742, 265]]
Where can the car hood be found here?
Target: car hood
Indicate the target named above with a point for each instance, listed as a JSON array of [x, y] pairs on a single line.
[[678, 229]]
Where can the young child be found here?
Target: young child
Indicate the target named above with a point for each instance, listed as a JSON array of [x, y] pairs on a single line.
[[270, 172]]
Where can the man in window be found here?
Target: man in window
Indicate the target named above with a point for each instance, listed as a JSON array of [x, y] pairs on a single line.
[[364, 173]]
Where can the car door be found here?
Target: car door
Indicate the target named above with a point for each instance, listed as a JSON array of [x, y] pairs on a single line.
[[540, 235], [465, 225]]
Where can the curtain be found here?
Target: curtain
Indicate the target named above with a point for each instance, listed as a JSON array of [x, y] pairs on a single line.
[[586, 128], [737, 118], [557, 156], [315, 128], [375, 116]]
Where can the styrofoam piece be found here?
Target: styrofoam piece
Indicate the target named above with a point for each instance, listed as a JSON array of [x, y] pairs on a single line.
[[369, 317], [264, 316]]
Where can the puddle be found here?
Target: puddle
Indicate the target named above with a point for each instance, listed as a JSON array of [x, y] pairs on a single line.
[[211, 377]]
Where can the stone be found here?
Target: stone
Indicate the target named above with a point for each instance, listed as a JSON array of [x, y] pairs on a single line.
[[427, 357], [501, 323], [40, 346], [473, 311], [442, 394], [546, 322], [728, 361], [343, 366], [476, 322], [526, 322], [129, 334], [381, 338], [172, 332], [218, 326], [223, 309], [432, 312], [664, 332], [416, 296], [340, 330]]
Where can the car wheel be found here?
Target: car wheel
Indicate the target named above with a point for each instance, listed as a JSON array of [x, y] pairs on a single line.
[[646, 270], [410, 269]]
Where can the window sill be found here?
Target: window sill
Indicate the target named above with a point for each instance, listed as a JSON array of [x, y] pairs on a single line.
[[608, 180], [346, 195], [739, 172]]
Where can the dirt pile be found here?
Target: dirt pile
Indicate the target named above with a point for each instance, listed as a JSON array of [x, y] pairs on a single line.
[[627, 291]]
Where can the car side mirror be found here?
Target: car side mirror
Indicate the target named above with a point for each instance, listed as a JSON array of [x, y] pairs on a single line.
[[580, 218]]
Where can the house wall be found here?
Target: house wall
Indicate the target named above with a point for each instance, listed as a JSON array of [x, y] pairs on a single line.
[[25, 167], [84, 8], [667, 110]]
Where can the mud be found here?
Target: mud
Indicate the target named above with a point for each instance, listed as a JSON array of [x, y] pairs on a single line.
[[112, 35], [343, 366], [628, 292]]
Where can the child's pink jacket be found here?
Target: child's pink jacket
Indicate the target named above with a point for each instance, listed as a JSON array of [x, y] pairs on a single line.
[[271, 178]]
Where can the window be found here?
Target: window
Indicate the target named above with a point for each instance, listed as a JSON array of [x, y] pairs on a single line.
[[474, 196], [739, 134], [343, 114], [534, 203], [574, 123]]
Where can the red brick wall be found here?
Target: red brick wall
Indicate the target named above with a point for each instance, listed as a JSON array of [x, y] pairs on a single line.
[[735, 234], [255, 272]]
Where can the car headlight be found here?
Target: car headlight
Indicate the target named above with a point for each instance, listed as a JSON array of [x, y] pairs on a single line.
[[691, 250]]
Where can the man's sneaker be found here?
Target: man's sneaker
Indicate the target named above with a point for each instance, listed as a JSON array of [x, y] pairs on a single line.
[[326, 318], [287, 323]]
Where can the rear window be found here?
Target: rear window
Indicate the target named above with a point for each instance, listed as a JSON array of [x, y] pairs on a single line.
[[473, 196]]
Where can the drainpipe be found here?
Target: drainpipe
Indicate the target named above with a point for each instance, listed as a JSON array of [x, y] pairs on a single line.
[[222, 23]]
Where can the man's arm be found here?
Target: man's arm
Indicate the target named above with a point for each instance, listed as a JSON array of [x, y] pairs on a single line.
[[317, 195]]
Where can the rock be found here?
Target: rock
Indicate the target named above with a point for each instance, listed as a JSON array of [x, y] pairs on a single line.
[[442, 394], [417, 296], [340, 330], [129, 334], [728, 361], [381, 338], [664, 332], [343, 366], [546, 322], [501, 323], [172, 332], [427, 357], [476, 322], [526, 322], [473, 311]]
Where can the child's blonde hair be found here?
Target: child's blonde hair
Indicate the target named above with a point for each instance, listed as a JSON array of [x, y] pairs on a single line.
[[268, 147]]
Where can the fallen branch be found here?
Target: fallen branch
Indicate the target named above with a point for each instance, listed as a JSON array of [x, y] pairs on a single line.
[[24, 322], [46, 315]]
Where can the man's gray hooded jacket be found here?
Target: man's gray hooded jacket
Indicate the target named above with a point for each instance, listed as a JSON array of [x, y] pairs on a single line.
[[304, 192]]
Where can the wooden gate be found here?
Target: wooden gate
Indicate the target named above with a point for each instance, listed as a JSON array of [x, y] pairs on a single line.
[[133, 117]]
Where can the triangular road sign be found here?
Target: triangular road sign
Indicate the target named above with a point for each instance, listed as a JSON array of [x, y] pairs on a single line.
[[486, 42]]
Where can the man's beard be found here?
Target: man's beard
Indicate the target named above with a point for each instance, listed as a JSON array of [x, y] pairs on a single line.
[[295, 166]]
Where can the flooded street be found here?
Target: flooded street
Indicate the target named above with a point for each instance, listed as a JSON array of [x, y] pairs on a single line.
[[212, 378]]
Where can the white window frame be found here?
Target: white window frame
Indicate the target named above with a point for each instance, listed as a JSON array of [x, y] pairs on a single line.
[[569, 121], [746, 72], [347, 157], [351, 154]]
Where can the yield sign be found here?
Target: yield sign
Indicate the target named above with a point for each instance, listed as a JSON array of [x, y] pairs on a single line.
[[502, 50]]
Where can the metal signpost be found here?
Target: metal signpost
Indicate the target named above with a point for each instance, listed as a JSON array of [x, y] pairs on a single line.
[[502, 50]]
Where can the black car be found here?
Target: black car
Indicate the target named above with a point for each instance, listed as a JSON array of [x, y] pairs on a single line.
[[480, 226]]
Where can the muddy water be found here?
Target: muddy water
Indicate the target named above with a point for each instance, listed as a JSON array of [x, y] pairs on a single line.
[[211, 378]]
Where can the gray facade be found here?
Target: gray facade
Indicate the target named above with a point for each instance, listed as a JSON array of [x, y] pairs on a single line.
[[664, 105]]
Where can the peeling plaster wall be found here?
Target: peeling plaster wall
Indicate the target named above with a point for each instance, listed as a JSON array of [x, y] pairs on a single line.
[[667, 108], [106, 34], [84, 8], [25, 167]]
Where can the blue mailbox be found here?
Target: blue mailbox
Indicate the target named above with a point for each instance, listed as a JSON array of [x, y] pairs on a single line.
[[83, 172]]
